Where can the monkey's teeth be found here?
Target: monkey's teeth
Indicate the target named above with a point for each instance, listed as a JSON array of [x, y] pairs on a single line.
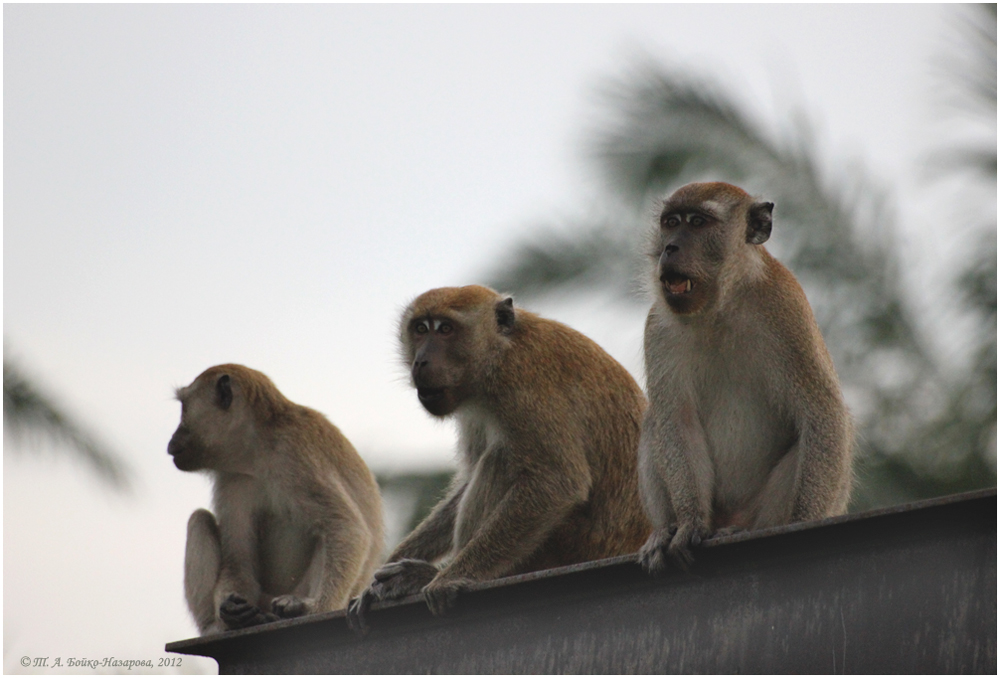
[[680, 287]]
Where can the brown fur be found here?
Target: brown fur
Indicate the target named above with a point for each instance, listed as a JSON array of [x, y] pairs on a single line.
[[299, 526], [746, 427], [549, 426]]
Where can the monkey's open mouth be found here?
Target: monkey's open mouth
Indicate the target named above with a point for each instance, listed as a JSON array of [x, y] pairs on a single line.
[[429, 395], [674, 283]]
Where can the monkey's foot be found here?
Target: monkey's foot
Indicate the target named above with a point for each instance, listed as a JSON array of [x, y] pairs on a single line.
[[652, 554], [391, 581], [441, 596], [289, 606], [237, 613]]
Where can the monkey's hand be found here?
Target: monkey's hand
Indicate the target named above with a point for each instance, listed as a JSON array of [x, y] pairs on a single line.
[[441, 596], [236, 612], [687, 537], [673, 543], [289, 606], [391, 581], [652, 554]]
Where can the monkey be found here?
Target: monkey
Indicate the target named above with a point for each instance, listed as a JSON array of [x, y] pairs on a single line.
[[298, 524], [746, 426], [547, 465]]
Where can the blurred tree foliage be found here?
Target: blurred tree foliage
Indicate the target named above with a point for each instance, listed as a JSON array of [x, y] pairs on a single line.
[[923, 429], [419, 492], [27, 412]]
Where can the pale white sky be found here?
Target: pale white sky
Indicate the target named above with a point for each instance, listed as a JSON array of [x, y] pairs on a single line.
[[189, 185]]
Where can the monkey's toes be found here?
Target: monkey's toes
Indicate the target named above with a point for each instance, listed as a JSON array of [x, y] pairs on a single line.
[[356, 612], [442, 598], [651, 555], [680, 549], [236, 613], [653, 562], [728, 531], [288, 606], [402, 578]]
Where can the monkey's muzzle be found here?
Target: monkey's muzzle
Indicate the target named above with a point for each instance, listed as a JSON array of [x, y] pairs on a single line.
[[430, 395]]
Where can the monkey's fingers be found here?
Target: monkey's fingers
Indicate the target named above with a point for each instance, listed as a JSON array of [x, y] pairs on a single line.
[[729, 531], [442, 597], [653, 562], [288, 606], [651, 555], [686, 539], [409, 568], [236, 613], [389, 570], [357, 610], [402, 578]]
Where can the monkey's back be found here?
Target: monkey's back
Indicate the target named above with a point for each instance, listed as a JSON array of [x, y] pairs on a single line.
[[589, 394], [333, 460]]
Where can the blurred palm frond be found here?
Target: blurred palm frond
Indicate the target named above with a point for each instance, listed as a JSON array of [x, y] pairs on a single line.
[[27, 411], [921, 431]]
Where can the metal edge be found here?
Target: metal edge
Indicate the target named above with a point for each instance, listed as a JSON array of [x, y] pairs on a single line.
[[202, 645]]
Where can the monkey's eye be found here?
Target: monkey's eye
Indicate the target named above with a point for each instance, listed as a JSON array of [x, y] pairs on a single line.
[[421, 328], [672, 221], [696, 220], [445, 328]]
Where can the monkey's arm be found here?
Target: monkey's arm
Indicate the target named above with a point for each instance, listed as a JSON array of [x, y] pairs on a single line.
[[679, 498], [432, 538], [342, 547], [409, 569], [536, 502], [237, 592], [822, 481]]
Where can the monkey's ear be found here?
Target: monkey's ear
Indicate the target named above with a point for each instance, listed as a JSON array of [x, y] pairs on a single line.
[[224, 392], [759, 222], [505, 314]]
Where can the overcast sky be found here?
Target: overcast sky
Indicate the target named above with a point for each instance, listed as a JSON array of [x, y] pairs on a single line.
[[270, 185]]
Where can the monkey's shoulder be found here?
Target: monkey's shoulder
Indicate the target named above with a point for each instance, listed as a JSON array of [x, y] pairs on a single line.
[[556, 353]]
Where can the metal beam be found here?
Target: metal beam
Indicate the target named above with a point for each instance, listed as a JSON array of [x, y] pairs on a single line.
[[911, 589]]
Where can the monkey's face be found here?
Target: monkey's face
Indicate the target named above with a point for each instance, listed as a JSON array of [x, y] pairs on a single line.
[[186, 449], [450, 337], [692, 249], [705, 232], [438, 368], [212, 431]]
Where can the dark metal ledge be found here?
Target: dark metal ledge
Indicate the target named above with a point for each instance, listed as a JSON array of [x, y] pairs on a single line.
[[911, 589]]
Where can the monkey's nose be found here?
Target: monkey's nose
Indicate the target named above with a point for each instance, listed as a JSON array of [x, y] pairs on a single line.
[[670, 249], [418, 366]]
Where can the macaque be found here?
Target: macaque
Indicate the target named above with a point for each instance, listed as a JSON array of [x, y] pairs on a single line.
[[548, 426], [746, 426], [298, 516]]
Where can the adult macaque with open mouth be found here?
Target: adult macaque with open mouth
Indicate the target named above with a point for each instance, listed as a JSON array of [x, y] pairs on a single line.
[[746, 427]]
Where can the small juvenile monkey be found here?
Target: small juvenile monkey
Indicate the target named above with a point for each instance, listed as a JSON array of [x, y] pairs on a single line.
[[299, 526], [746, 426], [549, 426]]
